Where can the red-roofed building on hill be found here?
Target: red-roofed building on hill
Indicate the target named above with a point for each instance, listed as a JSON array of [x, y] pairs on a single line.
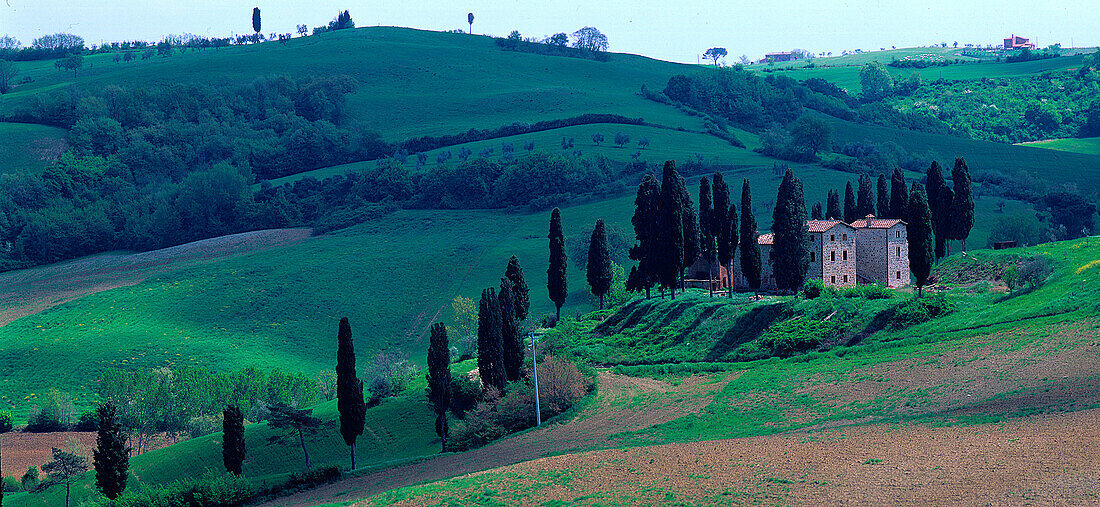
[[1017, 42], [883, 251]]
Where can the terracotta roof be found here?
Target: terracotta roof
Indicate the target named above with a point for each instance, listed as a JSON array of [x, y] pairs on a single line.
[[822, 225], [766, 239], [876, 223]]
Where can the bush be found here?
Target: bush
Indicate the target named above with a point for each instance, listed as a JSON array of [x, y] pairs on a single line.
[[812, 289], [799, 334], [30, 480], [5, 422], [10, 484], [389, 375], [55, 413], [1034, 272], [870, 291], [203, 425], [86, 422], [561, 384], [212, 490], [919, 310]]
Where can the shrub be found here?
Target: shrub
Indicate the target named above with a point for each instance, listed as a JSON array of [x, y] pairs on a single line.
[[203, 425], [55, 413], [30, 480], [561, 384], [919, 310], [86, 422], [10, 484], [869, 291], [212, 490], [812, 289], [5, 422], [1035, 272], [389, 375], [799, 335], [465, 394]]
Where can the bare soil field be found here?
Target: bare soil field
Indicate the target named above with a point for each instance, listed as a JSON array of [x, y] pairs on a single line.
[[28, 291], [23, 450], [1043, 459], [616, 408]]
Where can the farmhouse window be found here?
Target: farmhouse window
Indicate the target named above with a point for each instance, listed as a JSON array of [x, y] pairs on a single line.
[[845, 255], [845, 237], [832, 237], [899, 251], [897, 234], [834, 279], [832, 256], [812, 257], [898, 276], [845, 278]]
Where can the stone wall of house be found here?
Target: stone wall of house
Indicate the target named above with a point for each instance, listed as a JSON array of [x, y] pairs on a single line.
[[883, 255], [897, 267], [838, 255]]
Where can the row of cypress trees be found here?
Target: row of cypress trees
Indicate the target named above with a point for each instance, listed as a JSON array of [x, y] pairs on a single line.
[[891, 200], [499, 344]]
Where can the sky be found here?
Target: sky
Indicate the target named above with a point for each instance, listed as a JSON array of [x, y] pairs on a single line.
[[669, 30]]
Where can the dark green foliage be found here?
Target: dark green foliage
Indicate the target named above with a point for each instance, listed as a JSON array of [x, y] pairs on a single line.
[[750, 249], [64, 467], [233, 450], [556, 282], [851, 210], [707, 238], [724, 225], [899, 195], [439, 378], [111, 455], [490, 347], [816, 213], [1031, 274], [256, 19], [510, 339], [962, 207], [671, 236], [647, 230], [811, 135], [918, 231], [298, 420], [832, 206], [598, 270], [939, 203], [692, 248], [1070, 211], [210, 490], [349, 389], [812, 289], [791, 254], [883, 197], [520, 292], [5, 422], [865, 201], [876, 82], [919, 310]]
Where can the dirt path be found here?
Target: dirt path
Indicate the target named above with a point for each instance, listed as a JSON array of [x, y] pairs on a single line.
[[1044, 459], [29, 291], [616, 409]]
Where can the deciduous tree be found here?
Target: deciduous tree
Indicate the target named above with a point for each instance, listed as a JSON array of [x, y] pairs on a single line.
[[750, 249], [439, 378], [300, 421], [8, 71], [64, 467], [791, 256], [811, 135], [599, 262], [876, 82], [589, 38], [470, 21], [349, 389], [715, 54], [555, 274]]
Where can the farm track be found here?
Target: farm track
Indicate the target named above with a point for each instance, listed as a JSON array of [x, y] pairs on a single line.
[[29, 291], [614, 410]]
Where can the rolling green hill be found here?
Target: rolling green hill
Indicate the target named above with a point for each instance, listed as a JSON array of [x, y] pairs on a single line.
[[1087, 146], [28, 148]]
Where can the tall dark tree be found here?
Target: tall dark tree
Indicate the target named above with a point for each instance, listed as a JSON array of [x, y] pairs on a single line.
[[671, 236], [918, 230], [792, 240], [941, 217], [851, 211], [439, 378], [519, 288], [647, 228], [300, 421], [883, 197], [962, 208], [832, 207], [349, 389], [899, 195], [750, 249], [865, 201], [692, 249], [816, 213], [708, 241], [256, 19], [598, 270], [490, 345], [111, 456], [935, 186], [724, 226], [510, 340], [233, 451], [556, 282]]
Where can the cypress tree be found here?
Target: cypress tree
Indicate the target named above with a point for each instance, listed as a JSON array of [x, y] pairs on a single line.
[[256, 19], [865, 202], [832, 207], [899, 196], [439, 378], [520, 292], [791, 256], [918, 230], [708, 241], [349, 390], [490, 347], [962, 207], [816, 214], [883, 197], [750, 249], [734, 224], [671, 232], [722, 228], [935, 186], [850, 210], [555, 274], [111, 456], [599, 262], [233, 439], [647, 223], [511, 346], [942, 221], [692, 249]]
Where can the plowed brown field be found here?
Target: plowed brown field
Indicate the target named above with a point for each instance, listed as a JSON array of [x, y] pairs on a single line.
[[1051, 459]]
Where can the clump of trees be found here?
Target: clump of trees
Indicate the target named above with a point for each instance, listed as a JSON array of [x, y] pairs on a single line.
[[588, 42]]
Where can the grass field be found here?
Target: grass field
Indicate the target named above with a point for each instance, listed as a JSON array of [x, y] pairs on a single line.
[[1087, 146], [28, 148]]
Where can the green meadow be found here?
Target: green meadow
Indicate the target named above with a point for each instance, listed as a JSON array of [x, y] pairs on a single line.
[[28, 148], [1086, 146]]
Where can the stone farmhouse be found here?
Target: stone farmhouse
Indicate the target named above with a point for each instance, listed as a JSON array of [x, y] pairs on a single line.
[[868, 250], [1017, 42]]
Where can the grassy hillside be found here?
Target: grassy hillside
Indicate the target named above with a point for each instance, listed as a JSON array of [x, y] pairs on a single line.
[[28, 148], [411, 82], [1087, 146]]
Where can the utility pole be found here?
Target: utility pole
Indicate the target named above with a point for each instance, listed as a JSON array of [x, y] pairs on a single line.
[[535, 371]]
